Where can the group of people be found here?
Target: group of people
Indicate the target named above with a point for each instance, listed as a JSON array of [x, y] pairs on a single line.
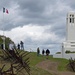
[[47, 52], [43, 51], [20, 46]]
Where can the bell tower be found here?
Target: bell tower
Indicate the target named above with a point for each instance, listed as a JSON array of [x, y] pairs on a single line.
[[70, 27], [69, 44]]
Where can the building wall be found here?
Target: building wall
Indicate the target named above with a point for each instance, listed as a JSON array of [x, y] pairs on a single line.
[[70, 27], [66, 56], [69, 44]]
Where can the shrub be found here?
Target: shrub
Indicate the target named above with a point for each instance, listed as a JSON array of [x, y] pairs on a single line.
[[58, 53], [71, 65], [67, 51]]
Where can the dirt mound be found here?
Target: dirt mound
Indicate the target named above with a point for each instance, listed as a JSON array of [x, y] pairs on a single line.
[[48, 65], [51, 67]]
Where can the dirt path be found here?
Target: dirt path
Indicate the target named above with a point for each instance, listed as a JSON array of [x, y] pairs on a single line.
[[52, 68]]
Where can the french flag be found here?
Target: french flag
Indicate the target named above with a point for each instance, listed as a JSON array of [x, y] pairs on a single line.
[[5, 10]]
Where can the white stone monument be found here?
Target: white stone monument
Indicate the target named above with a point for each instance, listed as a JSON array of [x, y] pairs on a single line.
[[69, 44]]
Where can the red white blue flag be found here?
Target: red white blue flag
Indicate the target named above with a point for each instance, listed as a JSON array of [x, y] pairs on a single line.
[[5, 10]]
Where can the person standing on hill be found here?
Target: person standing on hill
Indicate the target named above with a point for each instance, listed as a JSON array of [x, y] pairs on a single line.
[[18, 46], [1, 46], [22, 45], [47, 52], [43, 52], [38, 51]]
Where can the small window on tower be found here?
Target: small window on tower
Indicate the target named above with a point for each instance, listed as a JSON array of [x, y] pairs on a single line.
[[72, 15], [70, 20]]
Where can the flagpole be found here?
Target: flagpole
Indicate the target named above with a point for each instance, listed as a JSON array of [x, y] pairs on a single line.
[[3, 22], [4, 10], [3, 32]]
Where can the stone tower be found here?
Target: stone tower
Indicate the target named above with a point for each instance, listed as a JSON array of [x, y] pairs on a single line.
[[69, 44], [70, 27]]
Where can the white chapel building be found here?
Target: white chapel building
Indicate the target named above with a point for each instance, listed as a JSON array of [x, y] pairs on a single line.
[[69, 44]]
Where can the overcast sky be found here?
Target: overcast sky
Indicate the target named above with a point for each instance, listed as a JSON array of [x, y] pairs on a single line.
[[38, 23]]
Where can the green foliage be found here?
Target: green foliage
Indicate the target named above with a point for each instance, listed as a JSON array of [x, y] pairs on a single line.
[[71, 65], [7, 41], [68, 51], [58, 53]]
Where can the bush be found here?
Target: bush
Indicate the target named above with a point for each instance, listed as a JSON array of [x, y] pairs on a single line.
[[67, 51], [58, 53], [71, 65]]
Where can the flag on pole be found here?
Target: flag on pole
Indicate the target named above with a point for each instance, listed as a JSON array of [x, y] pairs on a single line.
[[5, 10]]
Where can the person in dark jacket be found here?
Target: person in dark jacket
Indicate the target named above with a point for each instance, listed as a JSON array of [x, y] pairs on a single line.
[[43, 52], [22, 45], [18, 46], [47, 52], [38, 51]]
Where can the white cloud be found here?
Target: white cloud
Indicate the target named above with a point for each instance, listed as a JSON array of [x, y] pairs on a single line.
[[37, 35], [34, 32], [35, 22]]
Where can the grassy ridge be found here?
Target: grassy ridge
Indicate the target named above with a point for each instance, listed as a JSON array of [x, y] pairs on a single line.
[[34, 60], [34, 69], [39, 71]]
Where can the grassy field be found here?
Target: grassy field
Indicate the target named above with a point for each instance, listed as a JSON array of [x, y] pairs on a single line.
[[34, 60]]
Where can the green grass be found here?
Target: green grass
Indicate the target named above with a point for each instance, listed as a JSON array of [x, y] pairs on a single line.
[[38, 71], [34, 59], [62, 63]]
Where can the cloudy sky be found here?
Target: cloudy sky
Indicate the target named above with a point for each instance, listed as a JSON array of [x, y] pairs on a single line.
[[38, 23]]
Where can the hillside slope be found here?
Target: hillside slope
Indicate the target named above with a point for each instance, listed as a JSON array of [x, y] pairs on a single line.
[[55, 66], [43, 65], [52, 67]]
